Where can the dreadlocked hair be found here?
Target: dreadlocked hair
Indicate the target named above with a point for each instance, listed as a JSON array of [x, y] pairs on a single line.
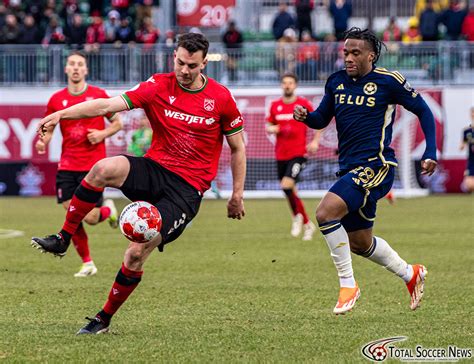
[[369, 37]]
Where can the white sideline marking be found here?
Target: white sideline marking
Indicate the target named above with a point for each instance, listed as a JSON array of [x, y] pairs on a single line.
[[8, 233]]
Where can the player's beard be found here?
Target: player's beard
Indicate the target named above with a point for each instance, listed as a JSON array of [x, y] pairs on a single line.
[[288, 93]]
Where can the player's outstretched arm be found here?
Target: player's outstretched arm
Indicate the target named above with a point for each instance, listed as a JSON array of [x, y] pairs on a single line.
[[87, 109], [238, 162]]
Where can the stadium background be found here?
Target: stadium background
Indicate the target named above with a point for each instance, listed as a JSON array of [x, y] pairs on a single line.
[[442, 70]]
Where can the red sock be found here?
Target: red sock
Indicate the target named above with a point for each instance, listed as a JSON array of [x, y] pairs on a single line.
[[104, 213], [84, 200], [79, 239], [125, 282], [300, 208]]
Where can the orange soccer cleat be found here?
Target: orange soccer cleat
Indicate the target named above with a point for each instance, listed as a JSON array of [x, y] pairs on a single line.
[[347, 299], [416, 285]]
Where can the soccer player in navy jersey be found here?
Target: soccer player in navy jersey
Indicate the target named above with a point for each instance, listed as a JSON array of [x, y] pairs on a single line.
[[468, 141], [362, 98], [190, 115]]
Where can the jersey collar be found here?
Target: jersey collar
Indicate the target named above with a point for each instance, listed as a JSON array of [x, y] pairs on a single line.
[[78, 93], [197, 90]]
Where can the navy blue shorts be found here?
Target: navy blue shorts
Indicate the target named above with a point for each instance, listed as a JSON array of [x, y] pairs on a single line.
[[361, 188]]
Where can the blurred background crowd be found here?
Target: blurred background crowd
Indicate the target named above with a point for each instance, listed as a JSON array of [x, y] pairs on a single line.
[[128, 40]]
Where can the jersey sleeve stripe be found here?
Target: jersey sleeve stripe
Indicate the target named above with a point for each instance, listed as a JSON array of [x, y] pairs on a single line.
[[127, 100], [234, 131], [396, 76]]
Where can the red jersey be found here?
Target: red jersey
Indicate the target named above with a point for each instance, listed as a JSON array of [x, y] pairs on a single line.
[[291, 140], [78, 154], [188, 125]]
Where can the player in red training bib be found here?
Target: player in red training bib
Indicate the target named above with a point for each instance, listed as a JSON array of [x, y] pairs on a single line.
[[83, 145], [291, 150], [190, 114]]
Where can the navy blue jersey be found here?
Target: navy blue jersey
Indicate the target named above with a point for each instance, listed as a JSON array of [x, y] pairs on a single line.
[[365, 111], [468, 138]]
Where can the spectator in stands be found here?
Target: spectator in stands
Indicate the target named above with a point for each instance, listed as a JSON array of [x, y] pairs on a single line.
[[95, 34], [233, 41], [283, 20], [468, 24], [148, 35], [429, 20], [285, 53], [10, 32], [341, 11], [96, 7], [76, 33], [111, 26], [29, 34], [54, 33], [3, 15], [307, 58], [29, 31], [453, 18], [122, 6], [143, 8], [35, 8], [438, 6], [67, 13], [412, 35], [125, 32], [304, 9], [392, 32]]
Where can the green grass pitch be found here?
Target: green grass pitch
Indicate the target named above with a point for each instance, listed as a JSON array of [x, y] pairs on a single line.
[[235, 291]]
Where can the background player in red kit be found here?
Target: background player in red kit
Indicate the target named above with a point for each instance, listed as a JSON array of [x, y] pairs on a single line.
[[189, 114], [291, 150], [83, 145]]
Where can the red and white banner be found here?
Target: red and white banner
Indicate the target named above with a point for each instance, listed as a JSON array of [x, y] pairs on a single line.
[[204, 13]]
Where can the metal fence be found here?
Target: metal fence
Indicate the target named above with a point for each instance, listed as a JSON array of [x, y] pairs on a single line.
[[256, 64]]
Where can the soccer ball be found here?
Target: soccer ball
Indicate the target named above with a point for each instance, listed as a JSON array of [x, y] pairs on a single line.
[[140, 222]]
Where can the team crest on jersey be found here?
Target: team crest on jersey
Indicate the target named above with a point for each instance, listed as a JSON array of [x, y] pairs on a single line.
[[64, 103], [208, 104], [279, 108], [370, 88]]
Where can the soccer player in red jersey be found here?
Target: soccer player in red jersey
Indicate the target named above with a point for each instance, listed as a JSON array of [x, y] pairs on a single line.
[[189, 114], [291, 150], [83, 145]]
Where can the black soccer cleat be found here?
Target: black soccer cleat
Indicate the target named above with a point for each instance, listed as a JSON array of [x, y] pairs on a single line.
[[95, 326], [53, 244]]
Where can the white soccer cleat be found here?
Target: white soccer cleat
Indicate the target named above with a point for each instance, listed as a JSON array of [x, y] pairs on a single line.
[[87, 269], [113, 218], [297, 225], [308, 231], [417, 285]]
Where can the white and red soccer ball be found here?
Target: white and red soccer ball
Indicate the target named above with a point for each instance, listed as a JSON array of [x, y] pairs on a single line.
[[140, 222]]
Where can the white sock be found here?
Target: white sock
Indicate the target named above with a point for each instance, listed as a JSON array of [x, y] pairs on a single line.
[[383, 254], [338, 243]]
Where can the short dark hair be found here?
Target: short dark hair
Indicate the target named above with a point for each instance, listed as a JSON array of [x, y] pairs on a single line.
[[193, 42], [77, 53], [369, 37], [289, 74]]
